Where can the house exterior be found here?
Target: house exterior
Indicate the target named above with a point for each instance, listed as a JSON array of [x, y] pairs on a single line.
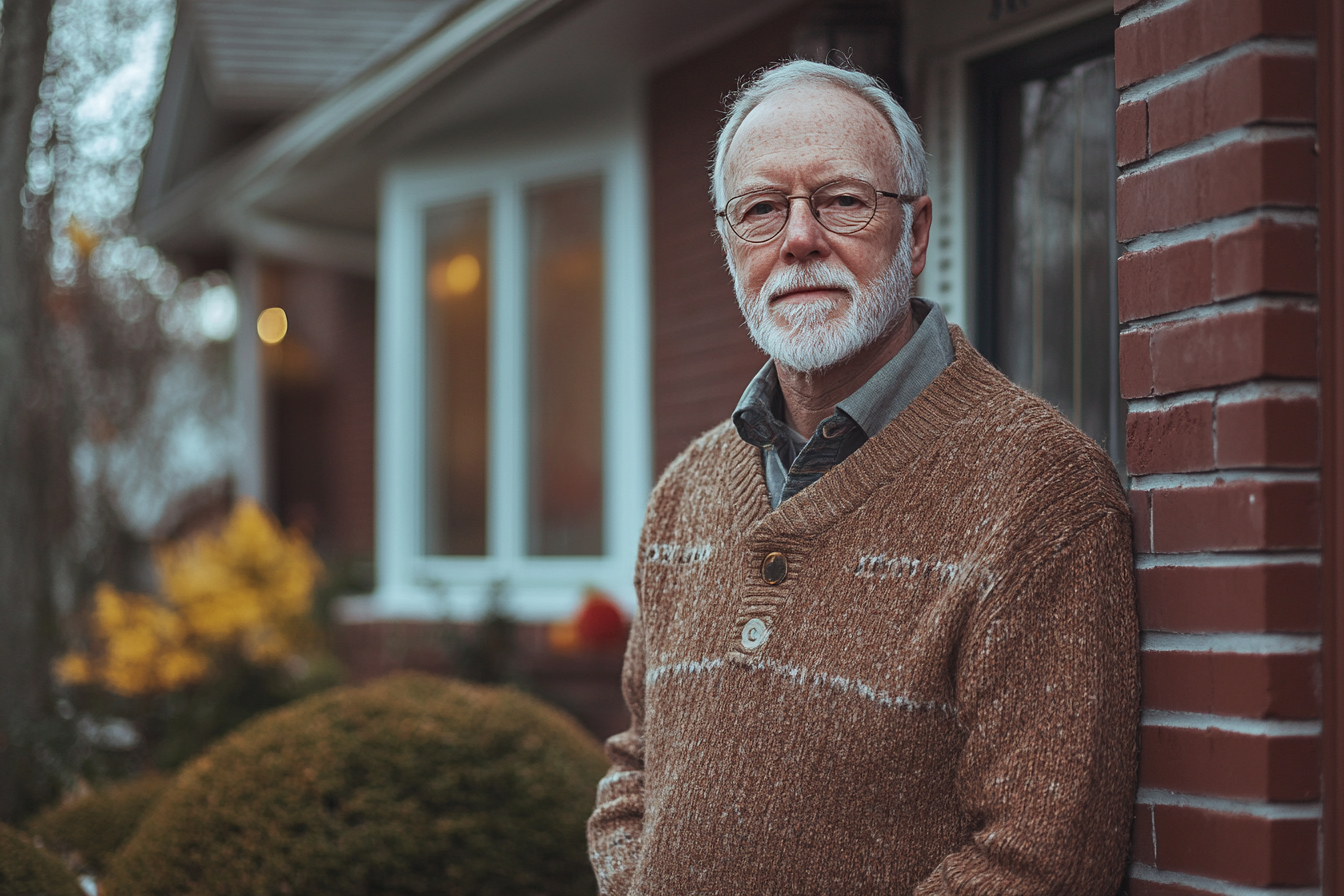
[[488, 224]]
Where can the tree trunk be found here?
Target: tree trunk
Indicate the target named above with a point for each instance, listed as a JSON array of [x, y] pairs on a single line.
[[30, 447]]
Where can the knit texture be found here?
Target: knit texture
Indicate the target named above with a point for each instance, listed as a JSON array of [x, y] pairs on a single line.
[[940, 697]]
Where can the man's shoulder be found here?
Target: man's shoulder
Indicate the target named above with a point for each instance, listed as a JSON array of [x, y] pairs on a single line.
[[1022, 439], [707, 453], [708, 476], [1021, 422]]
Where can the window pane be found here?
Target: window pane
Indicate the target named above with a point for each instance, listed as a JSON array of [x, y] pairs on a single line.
[[457, 304], [565, 377], [1056, 250]]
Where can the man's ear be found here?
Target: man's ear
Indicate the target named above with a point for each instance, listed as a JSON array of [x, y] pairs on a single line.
[[921, 211]]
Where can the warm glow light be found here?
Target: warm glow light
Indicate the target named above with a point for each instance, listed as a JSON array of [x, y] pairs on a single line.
[[455, 277], [272, 325]]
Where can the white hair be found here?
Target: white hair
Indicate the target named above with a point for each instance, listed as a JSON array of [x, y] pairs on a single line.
[[911, 170]]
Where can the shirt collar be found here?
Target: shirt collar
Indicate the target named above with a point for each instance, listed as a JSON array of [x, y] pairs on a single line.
[[756, 418], [890, 391]]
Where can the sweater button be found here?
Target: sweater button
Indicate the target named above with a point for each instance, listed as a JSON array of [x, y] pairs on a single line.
[[774, 568], [754, 634]]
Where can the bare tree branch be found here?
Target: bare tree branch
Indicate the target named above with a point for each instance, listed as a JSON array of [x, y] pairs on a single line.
[[30, 443]]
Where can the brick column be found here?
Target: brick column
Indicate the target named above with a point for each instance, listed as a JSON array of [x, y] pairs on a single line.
[[1216, 205]]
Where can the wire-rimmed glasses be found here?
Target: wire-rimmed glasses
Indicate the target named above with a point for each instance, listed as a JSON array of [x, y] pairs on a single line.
[[842, 206]]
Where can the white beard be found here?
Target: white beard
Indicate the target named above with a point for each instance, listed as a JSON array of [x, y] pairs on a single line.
[[803, 336]]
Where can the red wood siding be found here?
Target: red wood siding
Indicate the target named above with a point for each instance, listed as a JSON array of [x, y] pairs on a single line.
[[1330, 98], [320, 384]]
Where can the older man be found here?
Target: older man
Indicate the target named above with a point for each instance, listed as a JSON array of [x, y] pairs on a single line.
[[886, 639]]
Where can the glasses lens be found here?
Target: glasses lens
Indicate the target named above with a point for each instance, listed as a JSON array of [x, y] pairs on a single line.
[[845, 206], [757, 217]]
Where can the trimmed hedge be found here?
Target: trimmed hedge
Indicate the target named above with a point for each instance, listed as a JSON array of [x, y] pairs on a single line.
[[26, 870], [88, 830], [410, 785]]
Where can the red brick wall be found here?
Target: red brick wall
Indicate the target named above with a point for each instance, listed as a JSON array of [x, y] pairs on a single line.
[[702, 355], [351, 433], [584, 683], [1216, 205]]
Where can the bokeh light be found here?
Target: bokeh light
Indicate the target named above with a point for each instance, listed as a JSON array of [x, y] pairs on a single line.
[[217, 310], [272, 325], [457, 276]]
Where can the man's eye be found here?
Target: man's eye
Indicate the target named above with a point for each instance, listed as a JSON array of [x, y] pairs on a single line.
[[846, 201], [760, 208]]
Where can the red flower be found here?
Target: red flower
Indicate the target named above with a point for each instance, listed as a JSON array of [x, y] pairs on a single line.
[[600, 623]]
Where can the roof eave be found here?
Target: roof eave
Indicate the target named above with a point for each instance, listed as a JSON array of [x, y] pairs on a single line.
[[235, 186], [376, 95]]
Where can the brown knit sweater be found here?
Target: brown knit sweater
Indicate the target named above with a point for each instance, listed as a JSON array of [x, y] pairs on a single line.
[[940, 696]]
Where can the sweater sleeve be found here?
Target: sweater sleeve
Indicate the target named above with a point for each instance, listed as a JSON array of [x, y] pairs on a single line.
[[1047, 690], [616, 825]]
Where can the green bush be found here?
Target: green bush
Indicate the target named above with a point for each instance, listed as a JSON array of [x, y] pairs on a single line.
[[412, 784], [88, 830], [26, 870]]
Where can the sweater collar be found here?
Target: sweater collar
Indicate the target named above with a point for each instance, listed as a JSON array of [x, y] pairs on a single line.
[[956, 396]]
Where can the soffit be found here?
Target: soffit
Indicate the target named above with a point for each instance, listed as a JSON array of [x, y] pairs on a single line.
[[931, 27], [272, 56]]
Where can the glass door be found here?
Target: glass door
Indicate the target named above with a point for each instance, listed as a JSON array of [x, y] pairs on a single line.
[[1047, 248]]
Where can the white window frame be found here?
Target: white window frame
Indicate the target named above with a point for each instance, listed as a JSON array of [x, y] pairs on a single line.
[[412, 584]]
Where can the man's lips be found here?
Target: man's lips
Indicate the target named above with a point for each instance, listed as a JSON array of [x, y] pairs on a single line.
[[809, 294]]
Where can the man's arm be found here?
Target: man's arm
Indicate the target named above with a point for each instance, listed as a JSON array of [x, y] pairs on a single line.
[[616, 825], [1047, 689]]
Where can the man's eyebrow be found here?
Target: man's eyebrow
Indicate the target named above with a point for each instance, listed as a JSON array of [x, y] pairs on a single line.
[[765, 186], [758, 187]]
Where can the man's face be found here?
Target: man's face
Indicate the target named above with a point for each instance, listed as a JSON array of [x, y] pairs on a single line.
[[811, 297]]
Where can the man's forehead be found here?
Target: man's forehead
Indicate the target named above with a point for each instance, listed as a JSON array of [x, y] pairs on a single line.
[[811, 124], [814, 98]]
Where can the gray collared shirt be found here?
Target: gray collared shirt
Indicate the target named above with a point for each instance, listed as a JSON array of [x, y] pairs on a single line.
[[759, 415]]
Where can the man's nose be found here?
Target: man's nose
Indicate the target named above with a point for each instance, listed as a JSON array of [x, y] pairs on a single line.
[[804, 237]]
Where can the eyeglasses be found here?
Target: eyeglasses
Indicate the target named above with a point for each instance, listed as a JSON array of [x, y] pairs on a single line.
[[844, 206]]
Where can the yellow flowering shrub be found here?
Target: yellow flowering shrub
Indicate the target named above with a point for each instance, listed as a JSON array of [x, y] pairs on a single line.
[[246, 589], [245, 586], [145, 647]]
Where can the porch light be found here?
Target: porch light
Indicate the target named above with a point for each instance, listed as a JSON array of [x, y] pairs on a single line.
[[272, 325], [456, 277]]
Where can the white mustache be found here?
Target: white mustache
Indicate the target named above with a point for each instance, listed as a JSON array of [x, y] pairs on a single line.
[[809, 276]]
